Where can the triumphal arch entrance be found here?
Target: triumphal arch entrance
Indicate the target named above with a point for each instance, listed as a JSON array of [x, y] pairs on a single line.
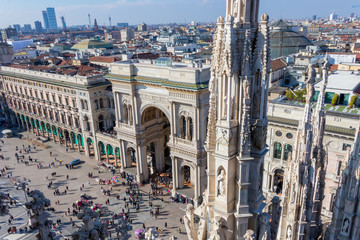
[[161, 121]]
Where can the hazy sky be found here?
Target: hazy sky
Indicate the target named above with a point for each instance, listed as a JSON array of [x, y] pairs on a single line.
[[160, 11]]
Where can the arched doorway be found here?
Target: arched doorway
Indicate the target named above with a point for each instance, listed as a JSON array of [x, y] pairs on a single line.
[[74, 141], [117, 157], [110, 154], [28, 123], [131, 155], [102, 151], [90, 145], [101, 124], [42, 128], [61, 136], [67, 138], [155, 127], [80, 142], [278, 181], [54, 132], [33, 124], [186, 178], [48, 130]]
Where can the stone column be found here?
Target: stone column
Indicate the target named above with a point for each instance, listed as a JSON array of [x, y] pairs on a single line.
[[197, 186], [142, 165], [96, 150], [117, 108], [123, 155], [107, 154], [272, 183], [86, 147], [174, 175]]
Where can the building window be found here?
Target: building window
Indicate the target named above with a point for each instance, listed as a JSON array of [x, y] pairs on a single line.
[[277, 150], [289, 136], [338, 171], [101, 104], [287, 150], [346, 146], [96, 104], [278, 133], [74, 103], [67, 101], [60, 100]]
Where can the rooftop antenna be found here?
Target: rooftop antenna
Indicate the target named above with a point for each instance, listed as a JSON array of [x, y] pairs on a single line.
[[89, 20]]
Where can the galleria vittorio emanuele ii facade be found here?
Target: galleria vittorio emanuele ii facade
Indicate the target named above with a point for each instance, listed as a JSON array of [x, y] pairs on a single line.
[[254, 169]]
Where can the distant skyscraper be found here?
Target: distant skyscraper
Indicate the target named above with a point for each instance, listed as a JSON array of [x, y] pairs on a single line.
[[109, 21], [46, 20], [27, 27], [38, 26], [121, 25], [314, 17], [52, 18], [17, 27], [89, 20], [142, 27], [8, 33], [95, 24], [63, 22], [352, 15], [333, 16]]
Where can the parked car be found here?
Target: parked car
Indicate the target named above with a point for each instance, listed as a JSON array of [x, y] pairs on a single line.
[[106, 165], [75, 162]]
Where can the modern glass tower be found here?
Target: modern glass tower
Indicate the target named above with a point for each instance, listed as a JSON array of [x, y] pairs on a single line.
[[51, 18], [46, 20]]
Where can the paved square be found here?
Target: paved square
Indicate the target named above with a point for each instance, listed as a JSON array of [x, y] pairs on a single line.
[[170, 213]]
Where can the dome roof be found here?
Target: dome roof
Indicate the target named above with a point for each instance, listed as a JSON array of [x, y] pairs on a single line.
[[91, 44], [284, 41]]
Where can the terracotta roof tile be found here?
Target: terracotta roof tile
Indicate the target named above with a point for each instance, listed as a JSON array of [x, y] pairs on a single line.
[[277, 64]]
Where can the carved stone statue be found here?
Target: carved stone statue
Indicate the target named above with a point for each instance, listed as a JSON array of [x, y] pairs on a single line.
[[346, 225], [310, 81], [288, 233], [189, 222], [221, 178], [249, 235], [217, 233], [39, 218], [92, 229], [225, 107], [246, 86]]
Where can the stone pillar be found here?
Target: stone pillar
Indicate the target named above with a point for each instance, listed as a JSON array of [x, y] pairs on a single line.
[[117, 109], [96, 150], [197, 186], [174, 175], [86, 147], [141, 163], [123, 156], [107, 154]]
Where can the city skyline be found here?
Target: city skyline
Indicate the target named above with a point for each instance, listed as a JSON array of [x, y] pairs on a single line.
[[160, 11]]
